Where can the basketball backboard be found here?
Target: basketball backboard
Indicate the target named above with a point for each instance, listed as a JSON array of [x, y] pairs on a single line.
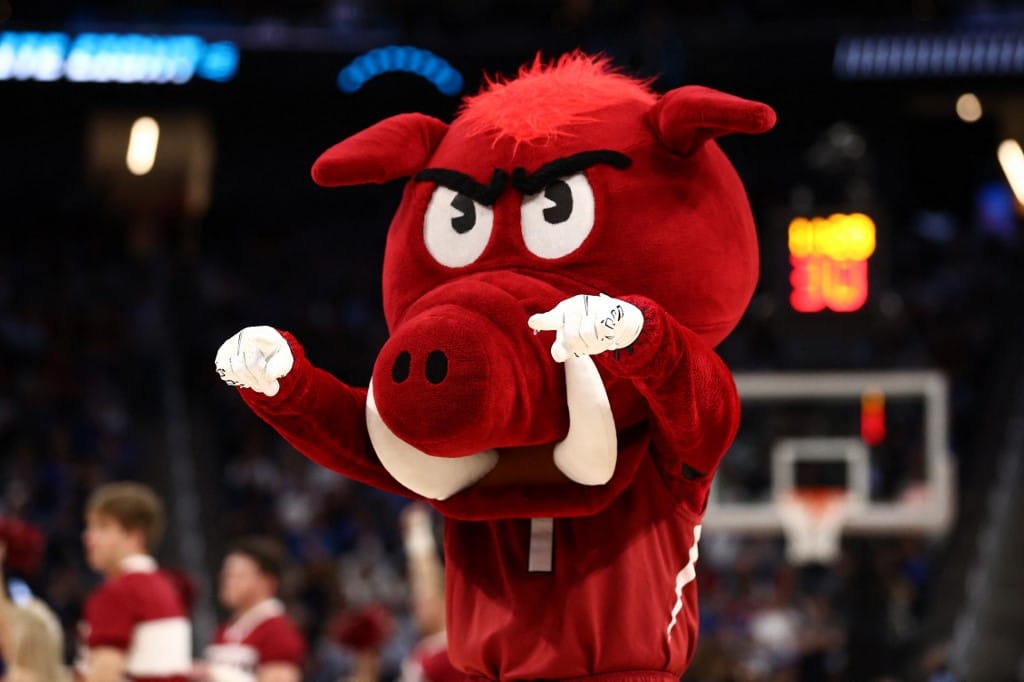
[[877, 439]]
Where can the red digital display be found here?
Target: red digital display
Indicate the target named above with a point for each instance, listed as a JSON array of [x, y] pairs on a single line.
[[829, 257]]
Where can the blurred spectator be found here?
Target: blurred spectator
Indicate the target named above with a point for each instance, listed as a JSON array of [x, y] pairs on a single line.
[[135, 625], [259, 642]]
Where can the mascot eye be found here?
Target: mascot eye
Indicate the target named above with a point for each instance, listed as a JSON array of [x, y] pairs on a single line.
[[557, 220], [456, 229]]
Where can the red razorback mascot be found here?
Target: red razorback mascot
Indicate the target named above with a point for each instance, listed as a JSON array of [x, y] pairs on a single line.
[[565, 257]]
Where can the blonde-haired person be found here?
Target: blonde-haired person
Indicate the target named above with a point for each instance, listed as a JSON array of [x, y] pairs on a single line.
[[135, 625], [31, 640]]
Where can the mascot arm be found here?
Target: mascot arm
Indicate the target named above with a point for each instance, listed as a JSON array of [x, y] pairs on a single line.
[[692, 398], [324, 419]]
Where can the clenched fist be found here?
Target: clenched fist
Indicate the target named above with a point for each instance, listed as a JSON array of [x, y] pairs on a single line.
[[588, 325], [255, 358]]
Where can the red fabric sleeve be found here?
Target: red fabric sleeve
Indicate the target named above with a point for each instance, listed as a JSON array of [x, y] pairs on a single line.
[[110, 618], [692, 400], [281, 642], [325, 420]]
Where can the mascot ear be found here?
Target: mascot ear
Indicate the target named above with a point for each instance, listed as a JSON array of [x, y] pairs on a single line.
[[685, 118], [396, 147]]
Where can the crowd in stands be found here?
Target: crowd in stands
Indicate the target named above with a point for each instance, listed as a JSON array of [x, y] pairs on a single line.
[[74, 400]]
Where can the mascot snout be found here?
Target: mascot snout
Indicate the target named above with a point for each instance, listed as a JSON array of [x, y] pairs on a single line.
[[463, 372], [451, 382], [463, 382]]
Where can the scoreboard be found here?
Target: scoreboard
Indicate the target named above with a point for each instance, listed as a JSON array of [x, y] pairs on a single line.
[[829, 258]]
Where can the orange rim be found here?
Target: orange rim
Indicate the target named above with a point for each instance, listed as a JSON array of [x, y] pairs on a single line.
[[818, 499]]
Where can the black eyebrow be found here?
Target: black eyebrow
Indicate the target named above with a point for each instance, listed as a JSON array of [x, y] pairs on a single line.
[[532, 183], [463, 184]]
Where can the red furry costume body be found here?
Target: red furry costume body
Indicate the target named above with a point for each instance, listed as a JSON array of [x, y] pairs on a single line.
[[570, 179]]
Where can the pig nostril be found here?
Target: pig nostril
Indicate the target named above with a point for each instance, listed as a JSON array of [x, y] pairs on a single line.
[[437, 366], [400, 370]]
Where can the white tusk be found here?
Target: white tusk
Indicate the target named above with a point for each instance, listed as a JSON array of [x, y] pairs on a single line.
[[436, 478], [590, 450]]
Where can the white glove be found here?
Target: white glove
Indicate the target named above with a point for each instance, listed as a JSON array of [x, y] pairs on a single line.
[[588, 325], [255, 358]]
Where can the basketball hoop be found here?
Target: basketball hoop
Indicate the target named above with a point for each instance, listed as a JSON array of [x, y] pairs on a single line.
[[812, 520]]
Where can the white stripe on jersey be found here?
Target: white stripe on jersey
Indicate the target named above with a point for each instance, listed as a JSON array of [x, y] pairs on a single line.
[[687, 574], [240, 656], [542, 539], [160, 648], [244, 625]]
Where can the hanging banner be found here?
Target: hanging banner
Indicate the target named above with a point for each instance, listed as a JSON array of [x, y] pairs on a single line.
[[114, 58]]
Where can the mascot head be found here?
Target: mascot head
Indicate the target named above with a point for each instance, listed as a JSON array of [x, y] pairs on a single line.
[[569, 179]]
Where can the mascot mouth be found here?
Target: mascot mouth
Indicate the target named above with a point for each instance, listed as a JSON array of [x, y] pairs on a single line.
[[586, 456]]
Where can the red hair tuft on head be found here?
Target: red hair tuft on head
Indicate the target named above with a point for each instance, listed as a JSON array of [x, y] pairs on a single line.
[[546, 98]]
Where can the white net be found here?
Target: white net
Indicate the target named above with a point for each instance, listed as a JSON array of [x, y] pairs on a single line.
[[812, 522]]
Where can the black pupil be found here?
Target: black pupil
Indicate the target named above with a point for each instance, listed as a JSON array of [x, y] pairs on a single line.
[[465, 222], [558, 192]]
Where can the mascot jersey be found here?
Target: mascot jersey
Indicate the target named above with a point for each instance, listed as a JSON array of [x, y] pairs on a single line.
[[566, 255]]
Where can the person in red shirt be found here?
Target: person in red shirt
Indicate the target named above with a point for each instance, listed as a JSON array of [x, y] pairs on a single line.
[[134, 625], [259, 643]]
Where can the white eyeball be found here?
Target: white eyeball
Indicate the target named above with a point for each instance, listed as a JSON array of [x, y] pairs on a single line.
[[456, 229], [558, 219]]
